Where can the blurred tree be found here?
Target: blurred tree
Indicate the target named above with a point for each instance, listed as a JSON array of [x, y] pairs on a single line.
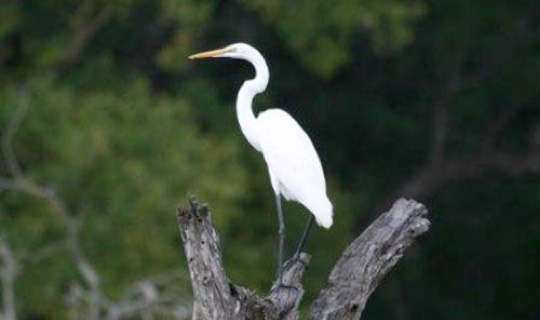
[[436, 100], [321, 32], [120, 160]]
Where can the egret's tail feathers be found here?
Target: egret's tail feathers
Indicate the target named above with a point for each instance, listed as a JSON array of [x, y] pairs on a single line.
[[323, 213]]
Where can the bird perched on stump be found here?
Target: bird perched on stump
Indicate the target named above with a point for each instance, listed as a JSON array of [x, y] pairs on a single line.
[[293, 164]]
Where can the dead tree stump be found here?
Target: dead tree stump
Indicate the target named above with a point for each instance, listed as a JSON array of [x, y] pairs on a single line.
[[354, 277]]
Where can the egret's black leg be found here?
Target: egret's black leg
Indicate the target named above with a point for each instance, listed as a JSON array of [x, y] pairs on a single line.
[[281, 239], [304, 236]]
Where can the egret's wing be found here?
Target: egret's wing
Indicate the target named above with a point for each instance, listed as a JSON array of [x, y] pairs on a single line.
[[290, 155]]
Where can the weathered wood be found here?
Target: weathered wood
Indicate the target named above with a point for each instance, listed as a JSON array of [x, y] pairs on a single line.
[[215, 296], [367, 260], [201, 244], [355, 276]]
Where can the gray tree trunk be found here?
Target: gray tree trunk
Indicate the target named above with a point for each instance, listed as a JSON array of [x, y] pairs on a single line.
[[354, 277]]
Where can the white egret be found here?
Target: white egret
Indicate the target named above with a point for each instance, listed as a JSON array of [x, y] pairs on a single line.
[[293, 164]]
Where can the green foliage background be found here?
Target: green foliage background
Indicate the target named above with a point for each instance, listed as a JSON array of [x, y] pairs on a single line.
[[123, 127]]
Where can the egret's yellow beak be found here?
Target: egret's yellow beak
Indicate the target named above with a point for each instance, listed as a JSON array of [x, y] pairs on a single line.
[[210, 54]]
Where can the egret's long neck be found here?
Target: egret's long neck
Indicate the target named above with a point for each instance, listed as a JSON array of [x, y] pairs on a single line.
[[244, 101]]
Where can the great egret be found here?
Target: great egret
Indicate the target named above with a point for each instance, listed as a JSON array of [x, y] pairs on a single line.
[[293, 164]]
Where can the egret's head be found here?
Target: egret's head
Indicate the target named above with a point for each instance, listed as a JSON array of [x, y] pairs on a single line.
[[245, 52], [237, 51]]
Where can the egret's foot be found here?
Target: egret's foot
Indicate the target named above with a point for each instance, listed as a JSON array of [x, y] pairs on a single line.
[[296, 257], [279, 280]]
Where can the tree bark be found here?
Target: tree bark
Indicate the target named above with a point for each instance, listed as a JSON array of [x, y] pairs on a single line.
[[355, 276]]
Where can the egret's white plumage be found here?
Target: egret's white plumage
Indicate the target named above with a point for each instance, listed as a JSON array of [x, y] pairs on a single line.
[[293, 164]]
